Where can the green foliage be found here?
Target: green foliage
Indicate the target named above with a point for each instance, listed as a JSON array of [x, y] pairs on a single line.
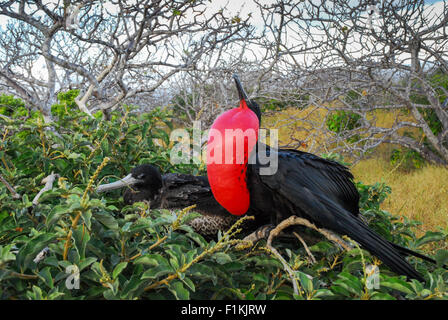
[[66, 103], [133, 252], [340, 120], [9, 104], [406, 159], [439, 81], [273, 104]]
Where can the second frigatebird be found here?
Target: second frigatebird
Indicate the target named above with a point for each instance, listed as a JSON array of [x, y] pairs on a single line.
[[174, 191]]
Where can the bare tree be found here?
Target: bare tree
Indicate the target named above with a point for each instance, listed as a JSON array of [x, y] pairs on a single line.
[[348, 59], [358, 57], [113, 51]]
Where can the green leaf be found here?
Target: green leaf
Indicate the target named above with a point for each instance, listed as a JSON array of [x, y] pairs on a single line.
[[26, 202], [46, 277], [261, 277], [441, 257], [75, 155], [189, 283], [6, 254], [56, 213], [156, 272], [106, 219], [222, 257], [306, 282], [118, 269], [323, 293], [126, 226], [349, 283], [148, 260], [177, 289], [29, 251], [36, 294], [87, 262], [429, 236], [86, 217], [381, 296], [81, 237], [396, 284]]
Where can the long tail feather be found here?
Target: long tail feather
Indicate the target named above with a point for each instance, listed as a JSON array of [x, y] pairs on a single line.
[[408, 252], [344, 222]]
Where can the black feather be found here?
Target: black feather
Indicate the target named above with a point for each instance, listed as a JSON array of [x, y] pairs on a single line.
[[321, 191]]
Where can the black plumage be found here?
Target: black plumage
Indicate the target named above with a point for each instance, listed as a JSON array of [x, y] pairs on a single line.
[[321, 191], [174, 191], [148, 184], [305, 185], [268, 205]]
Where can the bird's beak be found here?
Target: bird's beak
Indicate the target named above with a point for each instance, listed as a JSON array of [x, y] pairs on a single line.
[[126, 181], [239, 87]]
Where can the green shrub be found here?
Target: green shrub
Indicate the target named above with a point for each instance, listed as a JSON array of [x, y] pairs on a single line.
[[340, 120], [406, 159], [129, 252], [9, 104]]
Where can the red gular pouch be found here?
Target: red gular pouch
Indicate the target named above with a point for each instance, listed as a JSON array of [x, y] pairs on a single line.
[[231, 139]]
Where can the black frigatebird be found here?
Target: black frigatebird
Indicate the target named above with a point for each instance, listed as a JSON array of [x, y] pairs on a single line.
[[171, 191], [305, 185]]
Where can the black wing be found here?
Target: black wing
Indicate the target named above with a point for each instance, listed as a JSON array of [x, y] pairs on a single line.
[[322, 176], [310, 185]]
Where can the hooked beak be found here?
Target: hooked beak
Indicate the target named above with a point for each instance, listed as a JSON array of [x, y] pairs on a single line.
[[126, 181], [239, 87]]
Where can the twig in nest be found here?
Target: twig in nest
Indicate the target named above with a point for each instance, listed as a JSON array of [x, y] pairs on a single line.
[[285, 266], [260, 233], [313, 260], [48, 186], [15, 195], [293, 220]]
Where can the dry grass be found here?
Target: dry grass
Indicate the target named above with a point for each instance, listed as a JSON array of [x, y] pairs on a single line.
[[421, 194], [299, 125]]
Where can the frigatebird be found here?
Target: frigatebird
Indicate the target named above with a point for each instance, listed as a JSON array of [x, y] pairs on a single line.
[[305, 185], [174, 191]]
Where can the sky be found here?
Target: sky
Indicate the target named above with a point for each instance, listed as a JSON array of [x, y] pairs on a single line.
[[244, 7], [234, 7]]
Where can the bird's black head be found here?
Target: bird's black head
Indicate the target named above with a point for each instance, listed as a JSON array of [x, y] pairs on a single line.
[[143, 183], [243, 96], [147, 177]]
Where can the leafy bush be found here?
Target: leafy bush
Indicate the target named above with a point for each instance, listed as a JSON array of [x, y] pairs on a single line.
[[340, 120], [128, 252], [8, 104], [406, 159], [439, 82], [275, 104]]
